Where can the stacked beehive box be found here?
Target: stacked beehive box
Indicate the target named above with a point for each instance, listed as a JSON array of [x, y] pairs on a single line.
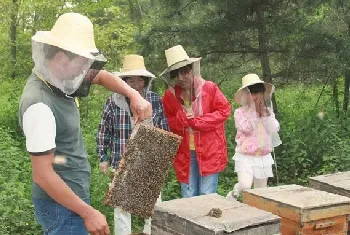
[[212, 214], [142, 171], [303, 210], [338, 183]]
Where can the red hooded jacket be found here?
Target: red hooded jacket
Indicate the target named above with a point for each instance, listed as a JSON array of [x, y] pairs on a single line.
[[208, 128]]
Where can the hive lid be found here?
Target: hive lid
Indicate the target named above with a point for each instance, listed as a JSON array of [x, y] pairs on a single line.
[[340, 180], [235, 215], [300, 197]]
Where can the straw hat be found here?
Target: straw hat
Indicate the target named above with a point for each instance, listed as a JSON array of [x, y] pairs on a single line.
[[251, 79], [176, 58], [134, 65], [72, 32]]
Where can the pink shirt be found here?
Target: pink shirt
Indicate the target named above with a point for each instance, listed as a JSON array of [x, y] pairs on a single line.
[[254, 134]]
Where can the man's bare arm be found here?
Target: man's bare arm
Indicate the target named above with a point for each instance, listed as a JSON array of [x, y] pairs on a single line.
[[114, 83], [56, 188]]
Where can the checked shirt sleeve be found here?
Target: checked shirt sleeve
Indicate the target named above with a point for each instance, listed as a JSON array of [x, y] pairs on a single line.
[[105, 132], [163, 121]]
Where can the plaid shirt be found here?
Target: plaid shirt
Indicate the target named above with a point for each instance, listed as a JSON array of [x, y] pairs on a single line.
[[115, 127]]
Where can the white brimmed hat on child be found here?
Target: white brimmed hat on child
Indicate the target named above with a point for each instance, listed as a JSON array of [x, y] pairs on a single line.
[[251, 79]]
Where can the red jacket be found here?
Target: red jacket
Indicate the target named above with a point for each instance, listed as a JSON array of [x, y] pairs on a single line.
[[208, 128]]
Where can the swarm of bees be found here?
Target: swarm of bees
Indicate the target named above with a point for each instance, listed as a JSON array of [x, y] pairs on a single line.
[[142, 171], [215, 212]]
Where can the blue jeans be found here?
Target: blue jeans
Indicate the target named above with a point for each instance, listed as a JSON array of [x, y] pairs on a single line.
[[56, 219], [198, 185]]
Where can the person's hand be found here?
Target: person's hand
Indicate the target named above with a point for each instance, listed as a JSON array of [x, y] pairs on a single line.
[[104, 167], [264, 112], [259, 101], [141, 108], [189, 113], [96, 223]]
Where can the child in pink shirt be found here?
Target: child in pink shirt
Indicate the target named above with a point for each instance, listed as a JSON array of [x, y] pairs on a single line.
[[256, 135]]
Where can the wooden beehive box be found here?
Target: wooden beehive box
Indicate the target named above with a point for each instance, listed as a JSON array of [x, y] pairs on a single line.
[[338, 183], [142, 170], [190, 216], [303, 210]]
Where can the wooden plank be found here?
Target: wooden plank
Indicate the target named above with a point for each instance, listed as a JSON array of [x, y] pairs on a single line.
[[329, 188], [334, 225], [315, 215], [297, 203], [332, 178], [325, 212], [142, 170], [291, 221], [190, 216], [300, 197], [194, 207], [277, 208], [289, 227], [338, 183]]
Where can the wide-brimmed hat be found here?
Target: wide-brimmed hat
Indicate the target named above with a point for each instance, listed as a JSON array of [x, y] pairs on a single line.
[[72, 32], [176, 58], [251, 79], [134, 65]]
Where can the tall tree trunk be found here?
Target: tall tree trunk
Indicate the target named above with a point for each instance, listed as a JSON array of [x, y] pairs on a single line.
[[131, 10], [136, 14], [35, 22], [335, 96], [263, 49], [346, 91], [13, 37], [346, 79], [153, 3]]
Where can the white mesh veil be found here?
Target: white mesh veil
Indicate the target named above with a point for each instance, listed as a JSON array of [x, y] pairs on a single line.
[[276, 140], [261, 105], [170, 77], [63, 69], [195, 82]]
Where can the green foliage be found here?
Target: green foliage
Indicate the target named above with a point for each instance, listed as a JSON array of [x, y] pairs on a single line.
[[16, 211], [308, 49], [11, 91], [113, 29], [312, 144]]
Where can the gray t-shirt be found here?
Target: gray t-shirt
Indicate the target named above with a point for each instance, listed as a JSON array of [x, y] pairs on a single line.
[[52, 123]]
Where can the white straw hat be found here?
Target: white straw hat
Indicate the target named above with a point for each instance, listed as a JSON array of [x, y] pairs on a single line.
[[134, 65], [176, 58], [72, 32], [251, 79]]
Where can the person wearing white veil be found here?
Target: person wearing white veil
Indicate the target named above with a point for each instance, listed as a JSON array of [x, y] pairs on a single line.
[[116, 126], [197, 110], [256, 135], [67, 63]]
